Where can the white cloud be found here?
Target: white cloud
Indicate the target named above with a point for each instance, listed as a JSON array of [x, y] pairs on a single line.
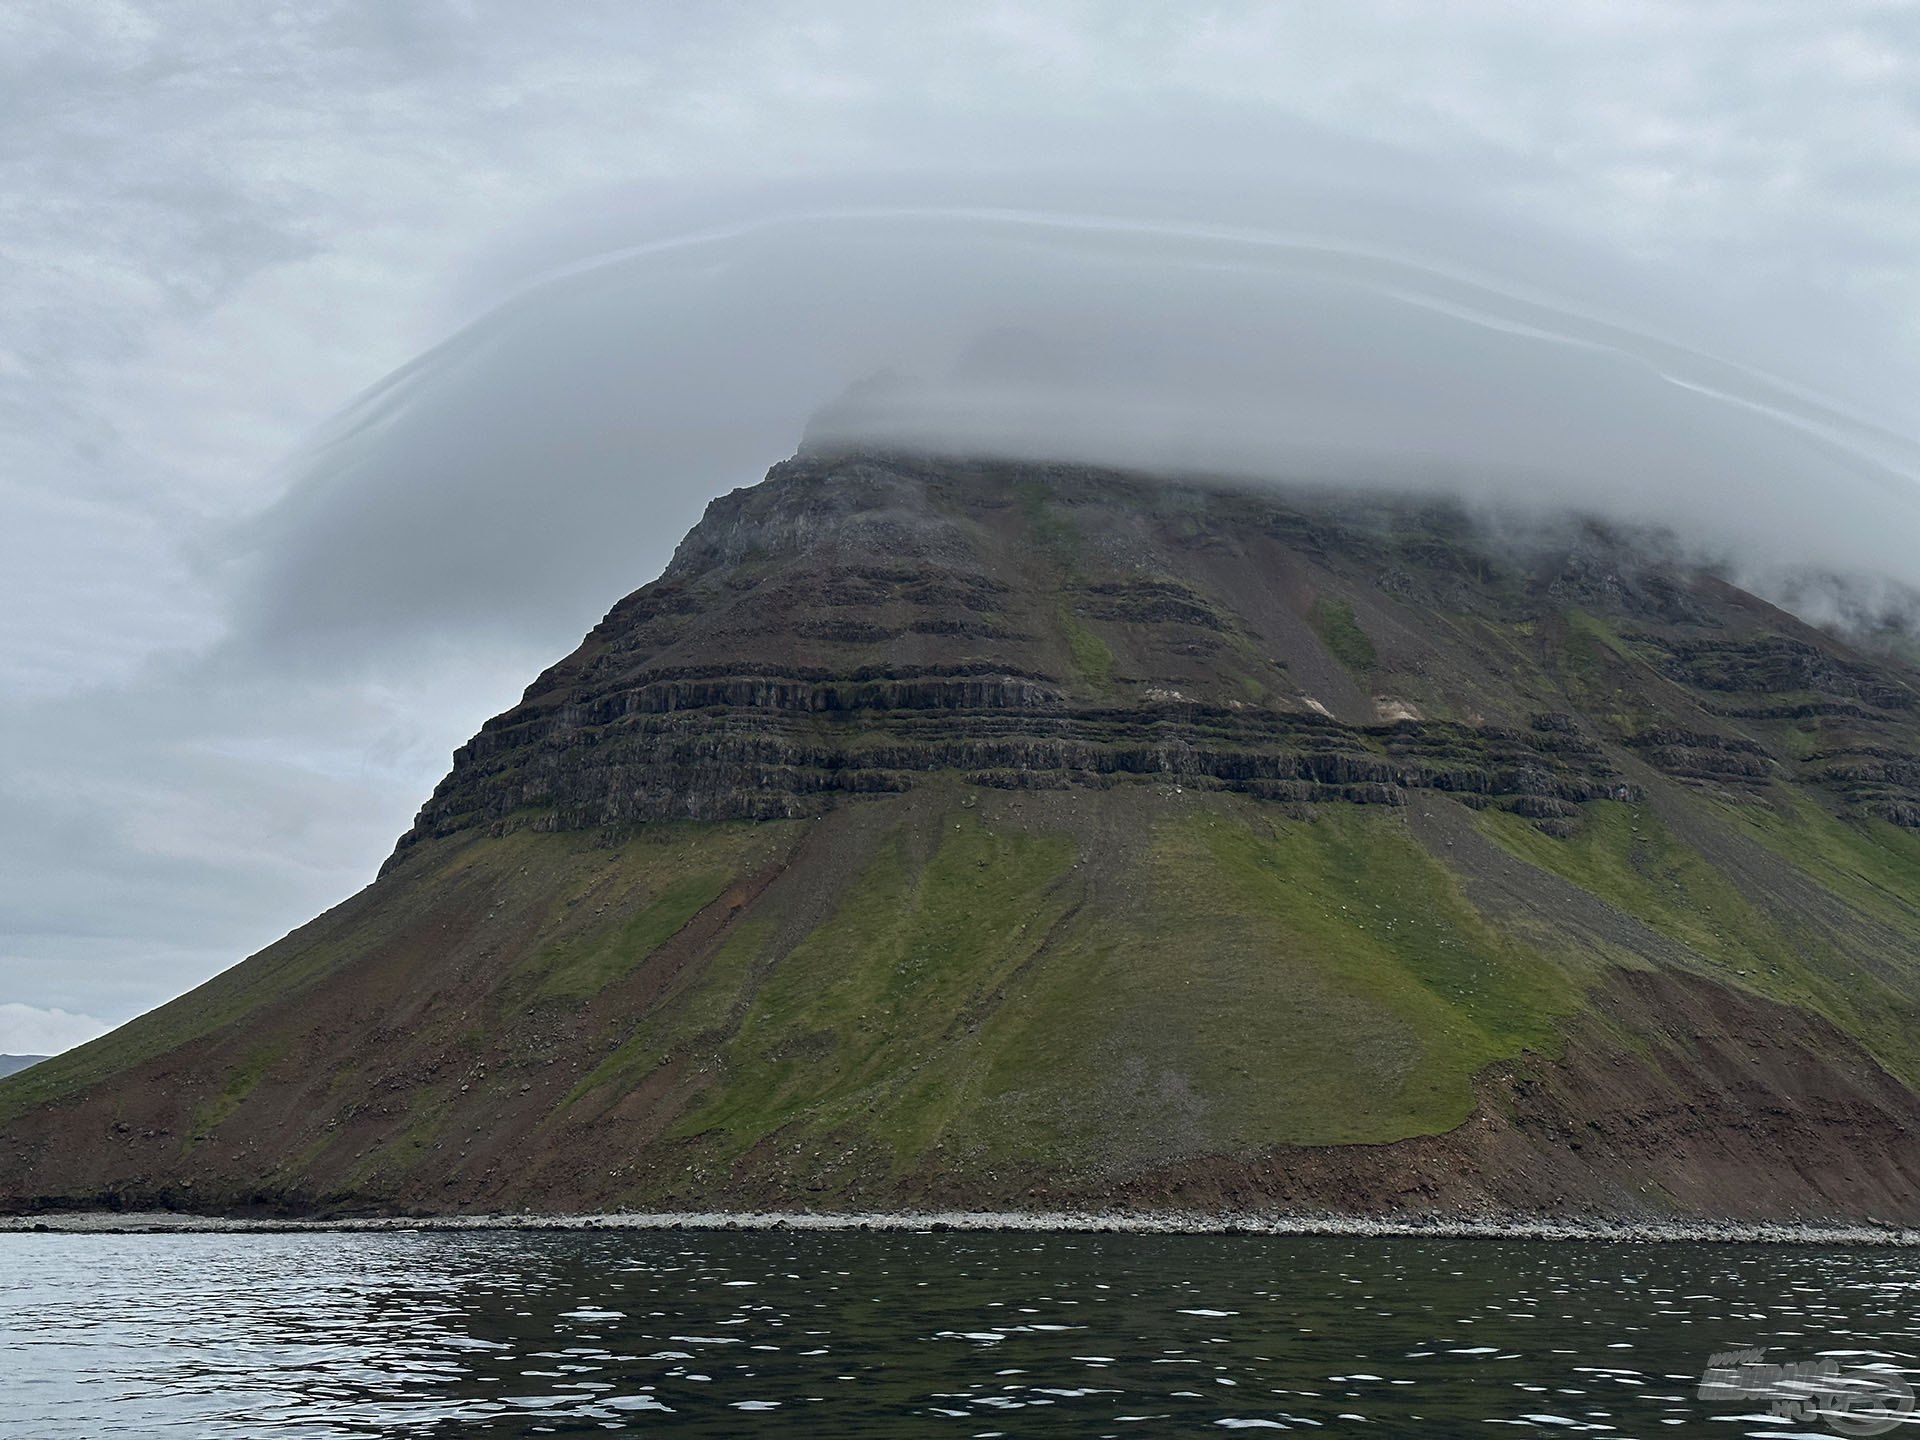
[[27, 1030]]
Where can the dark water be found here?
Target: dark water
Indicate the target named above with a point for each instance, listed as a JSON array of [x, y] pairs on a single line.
[[847, 1334]]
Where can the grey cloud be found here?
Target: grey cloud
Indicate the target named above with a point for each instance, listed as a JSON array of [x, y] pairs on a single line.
[[31, 1030], [189, 816], [539, 464]]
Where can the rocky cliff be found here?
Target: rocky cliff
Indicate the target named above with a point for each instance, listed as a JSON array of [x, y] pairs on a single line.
[[856, 627], [989, 834]]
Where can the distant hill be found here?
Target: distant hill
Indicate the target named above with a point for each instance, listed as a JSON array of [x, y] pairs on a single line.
[[10, 1063], [936, 833]]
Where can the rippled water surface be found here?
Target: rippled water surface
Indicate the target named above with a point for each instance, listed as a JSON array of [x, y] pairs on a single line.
[[854, 1334]]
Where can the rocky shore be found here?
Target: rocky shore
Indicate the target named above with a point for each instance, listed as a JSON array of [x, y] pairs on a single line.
[[1166, 1222]]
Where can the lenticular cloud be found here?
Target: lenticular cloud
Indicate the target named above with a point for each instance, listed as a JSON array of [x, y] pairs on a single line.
[[539, 462]]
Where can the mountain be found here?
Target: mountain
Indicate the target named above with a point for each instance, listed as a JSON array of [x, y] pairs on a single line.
[[942, 833], [10, 1063]]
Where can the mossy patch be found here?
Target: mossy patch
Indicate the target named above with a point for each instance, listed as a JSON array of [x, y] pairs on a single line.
[[1626, 856], [1254, 982], [705, 1011], [240, 1081], [1055, 537], [1874, 865], [1048, 528], [858, 1024], [584, 966], [1271, 982], [1601, 673], [1092, 656], [1339, 630]]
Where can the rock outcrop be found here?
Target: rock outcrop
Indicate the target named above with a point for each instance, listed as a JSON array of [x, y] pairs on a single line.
[[857, 623]]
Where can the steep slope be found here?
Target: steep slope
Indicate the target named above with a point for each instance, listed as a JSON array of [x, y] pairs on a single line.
[[986, 834]]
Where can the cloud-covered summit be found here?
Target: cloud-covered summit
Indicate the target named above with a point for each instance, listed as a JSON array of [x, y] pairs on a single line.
[[615, 259]]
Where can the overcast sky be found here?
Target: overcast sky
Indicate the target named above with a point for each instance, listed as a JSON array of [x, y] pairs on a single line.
[[357, 357]]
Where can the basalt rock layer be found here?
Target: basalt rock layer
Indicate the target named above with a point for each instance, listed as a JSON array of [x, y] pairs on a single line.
[[947, 833]]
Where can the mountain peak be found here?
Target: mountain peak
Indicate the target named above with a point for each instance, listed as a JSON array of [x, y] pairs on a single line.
[[857, 622]]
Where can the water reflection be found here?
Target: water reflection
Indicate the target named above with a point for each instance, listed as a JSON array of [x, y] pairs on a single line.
[[848, 1334]]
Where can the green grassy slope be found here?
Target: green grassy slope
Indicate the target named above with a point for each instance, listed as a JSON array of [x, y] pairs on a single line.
[[1849, 958], [552, 919], [970, 998], [969, 984]]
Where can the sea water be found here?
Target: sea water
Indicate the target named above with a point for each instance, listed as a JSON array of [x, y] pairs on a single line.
[[848, 1334]]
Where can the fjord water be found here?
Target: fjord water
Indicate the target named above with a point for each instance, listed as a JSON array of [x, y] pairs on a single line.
[[724, 1333]]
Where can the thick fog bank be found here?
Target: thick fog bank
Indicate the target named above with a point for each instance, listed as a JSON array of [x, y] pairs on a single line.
[[537, 464]]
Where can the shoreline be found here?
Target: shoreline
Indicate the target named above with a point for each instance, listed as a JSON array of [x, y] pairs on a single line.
[[1171, 1222]]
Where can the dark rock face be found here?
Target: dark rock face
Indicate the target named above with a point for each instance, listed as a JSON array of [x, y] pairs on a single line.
[[857, 623], [1777, 664]]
